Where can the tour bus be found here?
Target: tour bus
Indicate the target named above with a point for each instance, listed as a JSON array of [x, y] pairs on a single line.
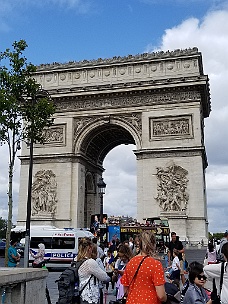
[[61, 245], [159, 226]]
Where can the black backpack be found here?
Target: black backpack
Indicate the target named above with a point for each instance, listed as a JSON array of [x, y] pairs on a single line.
[[173, 293], [68, 284]]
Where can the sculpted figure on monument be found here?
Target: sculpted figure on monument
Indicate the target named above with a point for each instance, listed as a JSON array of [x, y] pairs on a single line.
[[44, 193], [172, 186], [171, 127], [53, 134]]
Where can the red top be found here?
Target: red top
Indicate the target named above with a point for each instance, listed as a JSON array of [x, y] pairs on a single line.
[[142, 289]]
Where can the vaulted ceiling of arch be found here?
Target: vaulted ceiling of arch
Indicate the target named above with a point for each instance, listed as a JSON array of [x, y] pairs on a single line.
[[103, 139]]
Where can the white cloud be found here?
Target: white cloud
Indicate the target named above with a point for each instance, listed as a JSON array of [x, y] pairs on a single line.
[[211, 37]]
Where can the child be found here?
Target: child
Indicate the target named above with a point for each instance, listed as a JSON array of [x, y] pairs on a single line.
[[211, 254], [108, 264], [174, 272]]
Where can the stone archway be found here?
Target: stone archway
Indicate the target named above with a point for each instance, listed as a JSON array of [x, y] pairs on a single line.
[[156, 101], [93, 141]]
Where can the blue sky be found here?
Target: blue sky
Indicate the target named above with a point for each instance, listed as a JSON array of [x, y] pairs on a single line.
[[66, 30]]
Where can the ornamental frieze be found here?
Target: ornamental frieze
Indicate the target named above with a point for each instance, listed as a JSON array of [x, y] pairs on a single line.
[[178, 127], [128, 100], [147, 66], [172, 188], [114, 74]]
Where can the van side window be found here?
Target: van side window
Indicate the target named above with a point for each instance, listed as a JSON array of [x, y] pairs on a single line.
[[63, 243], [35, 241]]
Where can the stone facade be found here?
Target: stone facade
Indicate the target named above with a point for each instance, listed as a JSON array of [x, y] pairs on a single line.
[[156, 101]]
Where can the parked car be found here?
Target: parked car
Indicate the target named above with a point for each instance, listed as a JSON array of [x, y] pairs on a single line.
[[2, 247], [20, 248]]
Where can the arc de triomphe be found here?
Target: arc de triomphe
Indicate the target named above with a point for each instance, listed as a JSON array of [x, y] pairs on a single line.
[[158, 102]]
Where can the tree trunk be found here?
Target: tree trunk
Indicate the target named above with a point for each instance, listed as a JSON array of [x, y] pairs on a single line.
[[10, 211]]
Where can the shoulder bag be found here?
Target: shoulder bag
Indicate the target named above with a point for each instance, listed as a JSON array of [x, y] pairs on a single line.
[[214, 294]]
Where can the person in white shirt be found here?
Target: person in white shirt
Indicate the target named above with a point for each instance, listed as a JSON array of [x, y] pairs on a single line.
[[89, 273], [174, 273], [214, 271], [124, 256], [109, 267], [100, 263]]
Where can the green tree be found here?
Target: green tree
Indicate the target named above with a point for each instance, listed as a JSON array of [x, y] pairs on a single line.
[[24, 111], [3, 227], [218, 235]]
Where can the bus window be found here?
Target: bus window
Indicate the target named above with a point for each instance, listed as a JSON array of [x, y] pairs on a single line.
[[63, 243], [35, 241]]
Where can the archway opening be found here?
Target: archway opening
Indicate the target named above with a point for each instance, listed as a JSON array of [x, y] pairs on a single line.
[[108, 149], [121, 179], [100, 141]]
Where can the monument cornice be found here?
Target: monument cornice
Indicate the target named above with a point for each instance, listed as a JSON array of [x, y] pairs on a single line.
[[172, 152], [60, 158], [178, 53]]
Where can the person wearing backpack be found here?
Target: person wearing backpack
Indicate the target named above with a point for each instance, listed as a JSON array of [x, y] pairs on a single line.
[[224, 240], [89, 273], [213, 271]]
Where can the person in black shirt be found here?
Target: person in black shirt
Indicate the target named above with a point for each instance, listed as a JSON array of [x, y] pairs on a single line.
[[177, 244]]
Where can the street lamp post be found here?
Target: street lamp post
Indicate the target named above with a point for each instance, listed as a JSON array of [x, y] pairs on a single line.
[[40, 94], [29, 198], [101, 190]]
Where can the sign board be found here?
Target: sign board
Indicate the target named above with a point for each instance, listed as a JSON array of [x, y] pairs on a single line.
[[102, 225]]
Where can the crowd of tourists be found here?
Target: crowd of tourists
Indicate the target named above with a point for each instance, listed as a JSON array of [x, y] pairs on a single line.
[[136, 274]]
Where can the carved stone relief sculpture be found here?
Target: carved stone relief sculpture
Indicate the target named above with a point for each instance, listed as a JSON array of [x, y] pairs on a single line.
[[171, 127], [54, 135], [134, 120], [44, 194], [80, 123], [172, 188]]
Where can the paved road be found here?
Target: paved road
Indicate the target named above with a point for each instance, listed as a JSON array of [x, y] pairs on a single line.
[[192, 254]]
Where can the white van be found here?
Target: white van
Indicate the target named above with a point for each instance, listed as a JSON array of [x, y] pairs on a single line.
[[61, 245]]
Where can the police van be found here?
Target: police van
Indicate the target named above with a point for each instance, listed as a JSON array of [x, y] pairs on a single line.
[[61, 245]]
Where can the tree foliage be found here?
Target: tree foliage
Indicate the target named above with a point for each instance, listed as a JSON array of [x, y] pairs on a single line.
[[3, 227], [218, 235], [25, 109]]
